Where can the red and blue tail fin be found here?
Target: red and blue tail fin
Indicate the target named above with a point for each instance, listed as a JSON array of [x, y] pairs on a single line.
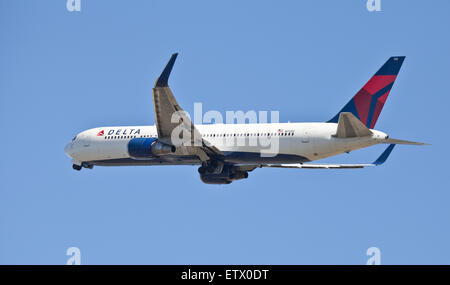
[[367, 104]]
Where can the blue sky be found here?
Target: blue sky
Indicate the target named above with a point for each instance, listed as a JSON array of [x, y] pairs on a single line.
[[62, 72]]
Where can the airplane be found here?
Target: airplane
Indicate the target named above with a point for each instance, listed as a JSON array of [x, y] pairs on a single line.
[[179, 142]]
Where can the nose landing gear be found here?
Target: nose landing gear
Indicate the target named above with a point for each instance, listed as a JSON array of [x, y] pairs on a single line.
[[83, 164], [76, 167]]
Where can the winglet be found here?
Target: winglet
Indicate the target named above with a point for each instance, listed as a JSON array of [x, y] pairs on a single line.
[[384, 156], [163, 79]]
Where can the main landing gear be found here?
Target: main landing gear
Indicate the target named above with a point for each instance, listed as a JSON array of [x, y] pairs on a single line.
[[211, 166]]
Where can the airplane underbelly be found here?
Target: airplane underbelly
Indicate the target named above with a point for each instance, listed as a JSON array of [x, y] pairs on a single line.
[[280, 151]]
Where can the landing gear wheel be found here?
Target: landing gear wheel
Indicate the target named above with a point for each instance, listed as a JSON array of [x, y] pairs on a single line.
[[76, 167], [212, 165], [87, 165], [202, 170], [210, 169]]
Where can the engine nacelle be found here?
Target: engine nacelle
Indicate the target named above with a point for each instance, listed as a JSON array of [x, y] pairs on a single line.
[[148, 148], [159, 148], [226, 176]]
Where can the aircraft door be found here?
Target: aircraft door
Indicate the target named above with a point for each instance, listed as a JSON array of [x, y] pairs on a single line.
[[305, 137]]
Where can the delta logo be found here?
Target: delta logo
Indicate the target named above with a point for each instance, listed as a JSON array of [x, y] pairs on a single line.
[[120, 132]]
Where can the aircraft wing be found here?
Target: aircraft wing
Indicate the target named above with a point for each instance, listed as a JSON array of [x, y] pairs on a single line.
[[171, 120], [380, 160]]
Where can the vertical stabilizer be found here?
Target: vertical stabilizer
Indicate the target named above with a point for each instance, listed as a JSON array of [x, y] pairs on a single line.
[[367, 104]]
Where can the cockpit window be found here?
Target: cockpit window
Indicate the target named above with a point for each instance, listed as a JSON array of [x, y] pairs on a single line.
[[74, 138]]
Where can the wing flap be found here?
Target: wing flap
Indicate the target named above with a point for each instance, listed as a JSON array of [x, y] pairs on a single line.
[[318, 166], [165, 105]]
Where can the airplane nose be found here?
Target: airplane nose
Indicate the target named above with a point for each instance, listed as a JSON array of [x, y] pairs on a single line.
[[68, 150]]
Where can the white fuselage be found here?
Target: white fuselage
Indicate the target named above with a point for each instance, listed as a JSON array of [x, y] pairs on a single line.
[[241, 143]]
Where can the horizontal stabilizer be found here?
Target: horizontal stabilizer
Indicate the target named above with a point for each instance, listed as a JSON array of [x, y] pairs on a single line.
[[396, 141], [382, 158], [349, 127]]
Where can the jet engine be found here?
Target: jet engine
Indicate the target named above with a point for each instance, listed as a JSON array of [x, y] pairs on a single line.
[[142, 148], [227, 175]]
